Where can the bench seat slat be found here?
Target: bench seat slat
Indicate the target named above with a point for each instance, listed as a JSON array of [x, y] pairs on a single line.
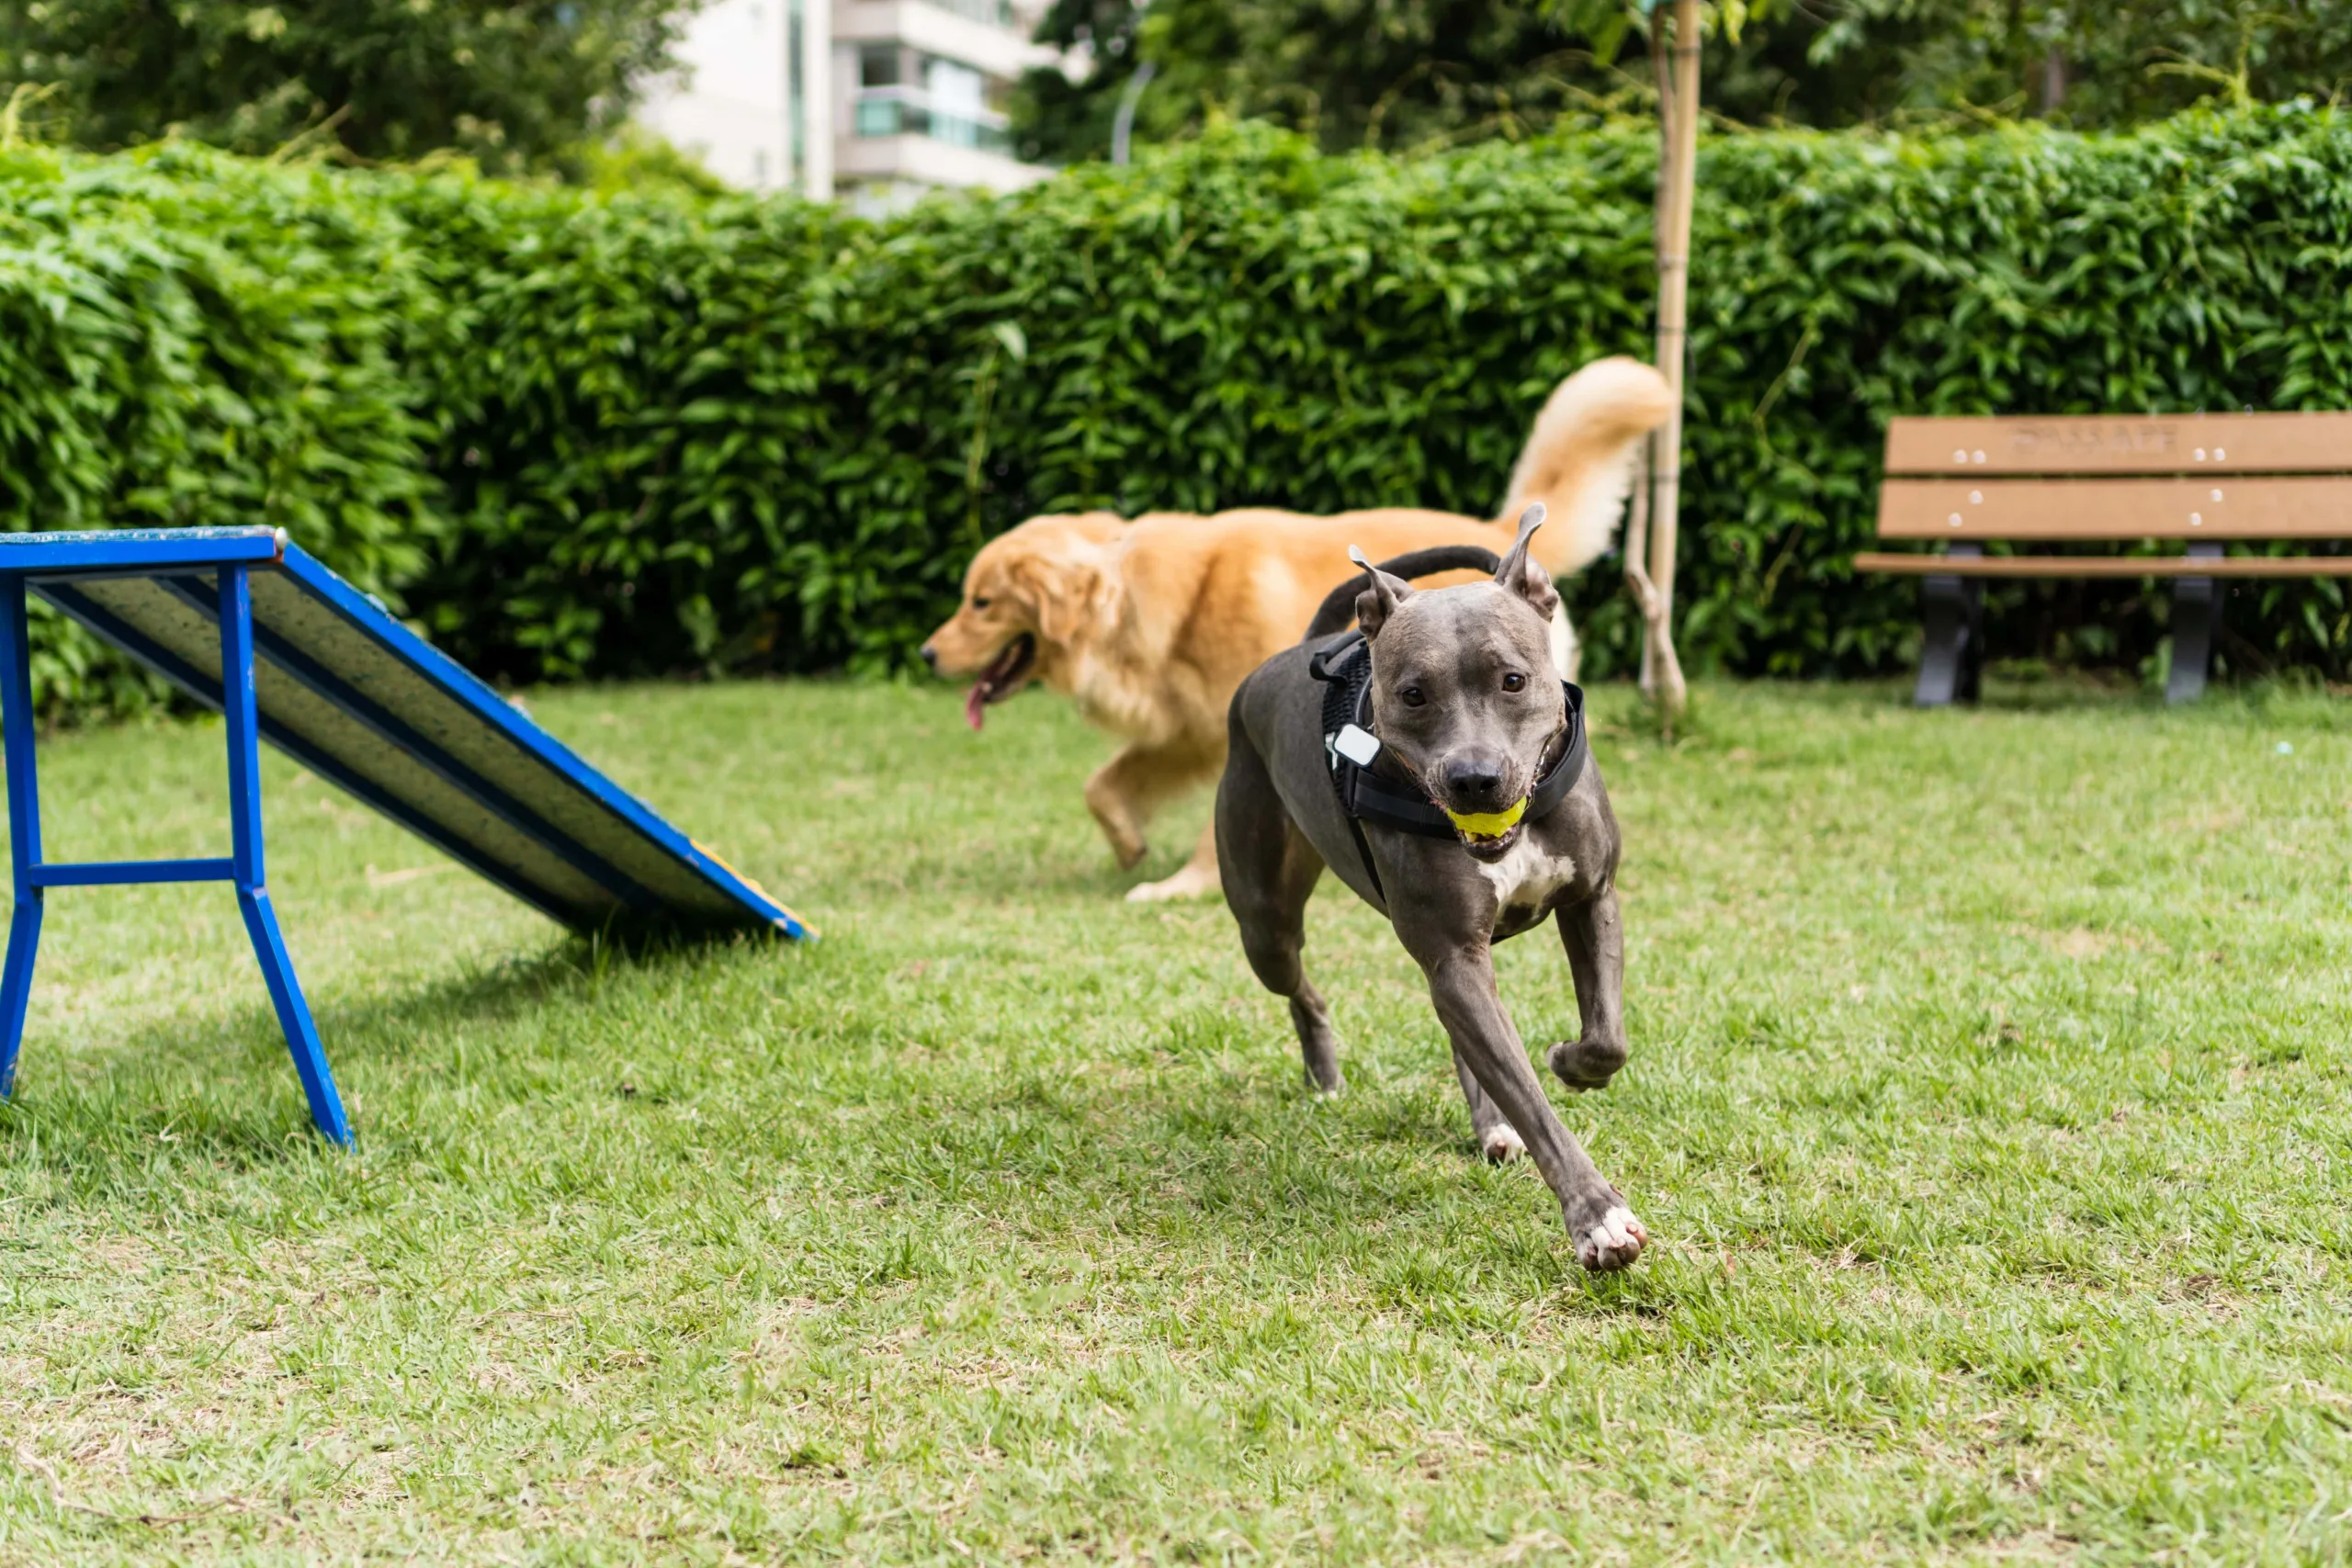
[[2104, 566], [2122, 443], [2261, 508]]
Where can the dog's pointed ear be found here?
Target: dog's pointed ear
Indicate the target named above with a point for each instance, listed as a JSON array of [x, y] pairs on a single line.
[[1521, 573], [1377, 602]]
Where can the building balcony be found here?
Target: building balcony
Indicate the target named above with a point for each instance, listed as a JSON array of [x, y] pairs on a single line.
[[903, 111], [968, 31], [908, 164]]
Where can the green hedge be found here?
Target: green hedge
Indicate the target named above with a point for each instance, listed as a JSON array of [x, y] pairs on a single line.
[[192, 340], [578, 436]]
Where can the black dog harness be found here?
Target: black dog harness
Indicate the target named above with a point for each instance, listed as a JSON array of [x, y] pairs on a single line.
[[1344, 665]]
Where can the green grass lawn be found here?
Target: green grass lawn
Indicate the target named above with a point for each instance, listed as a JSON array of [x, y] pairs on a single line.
[[1987, 1110]]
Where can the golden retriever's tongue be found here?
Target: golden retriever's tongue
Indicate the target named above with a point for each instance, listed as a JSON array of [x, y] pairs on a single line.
[[976, 702]]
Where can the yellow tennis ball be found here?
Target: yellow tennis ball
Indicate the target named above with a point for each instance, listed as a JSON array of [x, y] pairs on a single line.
[[1488, 824]]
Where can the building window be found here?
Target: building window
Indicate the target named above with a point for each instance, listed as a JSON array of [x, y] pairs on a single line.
[[954, 88], [956, 92], [951, 106]]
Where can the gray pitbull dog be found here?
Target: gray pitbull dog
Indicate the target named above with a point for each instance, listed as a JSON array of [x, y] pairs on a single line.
[[1469, 714]]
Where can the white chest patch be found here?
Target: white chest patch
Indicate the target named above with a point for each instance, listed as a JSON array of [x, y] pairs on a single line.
[[1527, 877]]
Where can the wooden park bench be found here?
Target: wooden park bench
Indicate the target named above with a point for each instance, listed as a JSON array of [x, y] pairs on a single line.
[[2204, 479]]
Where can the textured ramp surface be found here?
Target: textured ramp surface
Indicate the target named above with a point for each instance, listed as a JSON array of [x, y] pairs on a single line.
[[358, 698]]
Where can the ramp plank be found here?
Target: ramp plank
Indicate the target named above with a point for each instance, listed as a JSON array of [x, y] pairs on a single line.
[[356, 697]]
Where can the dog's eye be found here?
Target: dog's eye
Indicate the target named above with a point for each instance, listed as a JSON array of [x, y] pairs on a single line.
[[1514, 681], [1411, 696], [980, 603]]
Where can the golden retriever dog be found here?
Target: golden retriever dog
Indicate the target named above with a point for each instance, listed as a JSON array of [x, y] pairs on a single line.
[[1150, 624]]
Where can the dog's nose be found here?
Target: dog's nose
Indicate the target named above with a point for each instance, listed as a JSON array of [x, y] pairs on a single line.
[[929, 656], [1476, 780]]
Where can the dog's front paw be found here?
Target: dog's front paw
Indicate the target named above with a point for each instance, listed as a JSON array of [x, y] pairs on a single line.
[[1586, 1063], [1611, 1242], [1501, 1145]]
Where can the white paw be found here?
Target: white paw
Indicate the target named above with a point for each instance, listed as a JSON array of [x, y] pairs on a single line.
[[1502, 1145], [1187, 884], [1614, 1243]]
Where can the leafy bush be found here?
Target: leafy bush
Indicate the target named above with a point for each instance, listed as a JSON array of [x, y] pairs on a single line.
[[191, 340], [608, 436]]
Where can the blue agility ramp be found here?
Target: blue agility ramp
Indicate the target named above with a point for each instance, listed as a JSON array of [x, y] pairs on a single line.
[[246, 623]]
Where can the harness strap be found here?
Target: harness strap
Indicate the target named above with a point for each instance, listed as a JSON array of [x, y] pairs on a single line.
[[1343, 690], [1344, 665]]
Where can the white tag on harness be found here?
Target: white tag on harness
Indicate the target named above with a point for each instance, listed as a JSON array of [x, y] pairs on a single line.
[[1358, 746]]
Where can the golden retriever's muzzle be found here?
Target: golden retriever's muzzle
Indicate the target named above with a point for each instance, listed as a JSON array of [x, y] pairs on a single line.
[[1006, 675]]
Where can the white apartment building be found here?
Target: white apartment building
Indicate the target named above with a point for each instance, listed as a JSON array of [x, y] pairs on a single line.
[[875, 100]]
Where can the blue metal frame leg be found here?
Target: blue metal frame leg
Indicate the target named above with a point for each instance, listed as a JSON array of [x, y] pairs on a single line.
[[16, 984], [32, 877], [294, 1015], [23, 825], [239, 707]]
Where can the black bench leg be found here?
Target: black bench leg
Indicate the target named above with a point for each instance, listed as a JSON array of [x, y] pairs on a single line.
[[2196, 611], [1951, 662]]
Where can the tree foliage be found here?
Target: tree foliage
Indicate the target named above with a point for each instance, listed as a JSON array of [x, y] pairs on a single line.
[[1404, 73], [509, 84], [2089, 66]]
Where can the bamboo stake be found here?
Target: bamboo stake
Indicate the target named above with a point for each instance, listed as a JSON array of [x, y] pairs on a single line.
[[1678, 182], [1637, 517]]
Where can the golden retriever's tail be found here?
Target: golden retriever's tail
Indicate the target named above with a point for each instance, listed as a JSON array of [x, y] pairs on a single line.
[[1578, 460]]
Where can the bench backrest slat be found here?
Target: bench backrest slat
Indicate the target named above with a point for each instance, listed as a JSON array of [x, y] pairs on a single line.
[[2123, 443], [2212, 508]]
